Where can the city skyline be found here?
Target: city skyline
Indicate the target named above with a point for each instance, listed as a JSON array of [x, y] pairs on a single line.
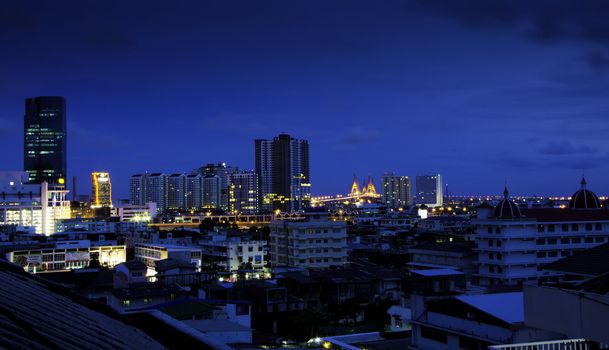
[[352, 84]]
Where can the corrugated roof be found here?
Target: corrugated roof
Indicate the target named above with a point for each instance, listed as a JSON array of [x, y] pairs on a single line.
[[36, 314]]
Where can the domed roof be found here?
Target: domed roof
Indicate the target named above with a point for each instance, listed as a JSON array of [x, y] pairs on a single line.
[[584, 198], [506, 209]]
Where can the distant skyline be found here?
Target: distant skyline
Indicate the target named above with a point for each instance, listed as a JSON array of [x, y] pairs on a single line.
[[480, 92]]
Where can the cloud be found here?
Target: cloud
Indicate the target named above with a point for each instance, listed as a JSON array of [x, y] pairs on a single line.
[[359, 135], [597, 60], [564, 147]]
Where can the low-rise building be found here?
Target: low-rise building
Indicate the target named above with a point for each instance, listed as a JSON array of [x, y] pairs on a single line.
[[152, 252], [308, 241], [232, 254]]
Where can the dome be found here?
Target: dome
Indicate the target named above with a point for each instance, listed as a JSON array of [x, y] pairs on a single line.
[[506, 209], [584, 198]]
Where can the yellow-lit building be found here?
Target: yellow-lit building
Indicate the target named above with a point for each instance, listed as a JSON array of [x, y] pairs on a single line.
[[101, 191]]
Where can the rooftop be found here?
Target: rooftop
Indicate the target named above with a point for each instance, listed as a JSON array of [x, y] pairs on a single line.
[[590, 262], [508, 307], [437, 272]]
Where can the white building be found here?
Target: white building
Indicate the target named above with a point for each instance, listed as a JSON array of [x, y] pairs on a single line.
[[133, 212], [309, 241], [513, 243], [38, 206], [67, 255], [149, 253], [232, 254]]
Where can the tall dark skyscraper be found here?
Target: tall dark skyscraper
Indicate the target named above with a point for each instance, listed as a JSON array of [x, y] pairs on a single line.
[[282, 167], [45, 139]]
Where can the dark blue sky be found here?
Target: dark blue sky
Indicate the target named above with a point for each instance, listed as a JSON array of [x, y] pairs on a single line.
[[479, 91]]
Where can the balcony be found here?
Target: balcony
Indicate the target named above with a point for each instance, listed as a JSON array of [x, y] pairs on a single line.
[[566, 344]]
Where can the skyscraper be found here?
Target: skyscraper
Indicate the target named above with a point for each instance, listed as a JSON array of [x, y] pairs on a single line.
[[45, 139], [429, 190], [194, 191], [282, 167], [397, 191], [101, 192]]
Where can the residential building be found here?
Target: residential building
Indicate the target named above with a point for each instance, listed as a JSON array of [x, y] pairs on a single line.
[[212, 191], [429, 190], [311, 240], [194, 191], [149, 187], [176, 191], [282, 167], [101, 192], [513, 243], [216, 185], [397, 191], [45, 140], [232, 254], [243, 192], [137, 189]]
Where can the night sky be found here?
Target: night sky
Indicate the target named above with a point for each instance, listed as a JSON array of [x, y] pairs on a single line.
[[482, 92]]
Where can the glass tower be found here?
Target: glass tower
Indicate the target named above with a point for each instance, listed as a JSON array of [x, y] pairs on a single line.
[[45, 139]]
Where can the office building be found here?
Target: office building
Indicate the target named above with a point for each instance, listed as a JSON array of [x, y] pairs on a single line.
[[45, 143], [429, 190], [513, 243], [243, 192], [397, 191], [34, 207], [310, 241], [101, 192], [176, 191], [282, 167]]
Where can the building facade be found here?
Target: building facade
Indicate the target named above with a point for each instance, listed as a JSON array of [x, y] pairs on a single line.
[[176, 191], [101, 191], [45, 140], [310, 241], [282, 167], [397, 191], [429, 190]]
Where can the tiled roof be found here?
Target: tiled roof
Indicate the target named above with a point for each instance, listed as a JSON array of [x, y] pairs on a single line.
[[37, 314]]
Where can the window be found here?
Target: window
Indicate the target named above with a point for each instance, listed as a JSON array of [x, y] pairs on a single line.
[[147, 301], [540, 242], [564, 253], [541, 228], [552, 241], [432, 334], [497, 230], [499, 269], [576, 240], [490, 242], [489, 230], [574, 227], [551, 228], [588, 227], [126, 303], [552, 254], [599, 239], [490, 256], [564, 228], [250, 249], [491, 269], [498, 243], [499, 256], [564, 241], [541, 254], [589, 240], [598, 226]]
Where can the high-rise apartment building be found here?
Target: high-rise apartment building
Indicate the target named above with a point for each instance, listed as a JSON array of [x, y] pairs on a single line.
[[101, 191], [243, 192], [194, 191], [137, 189], [397, 191], [212, 191], [216, 185], [429, 190], [45, 142], [176, 191], [282, 167]]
